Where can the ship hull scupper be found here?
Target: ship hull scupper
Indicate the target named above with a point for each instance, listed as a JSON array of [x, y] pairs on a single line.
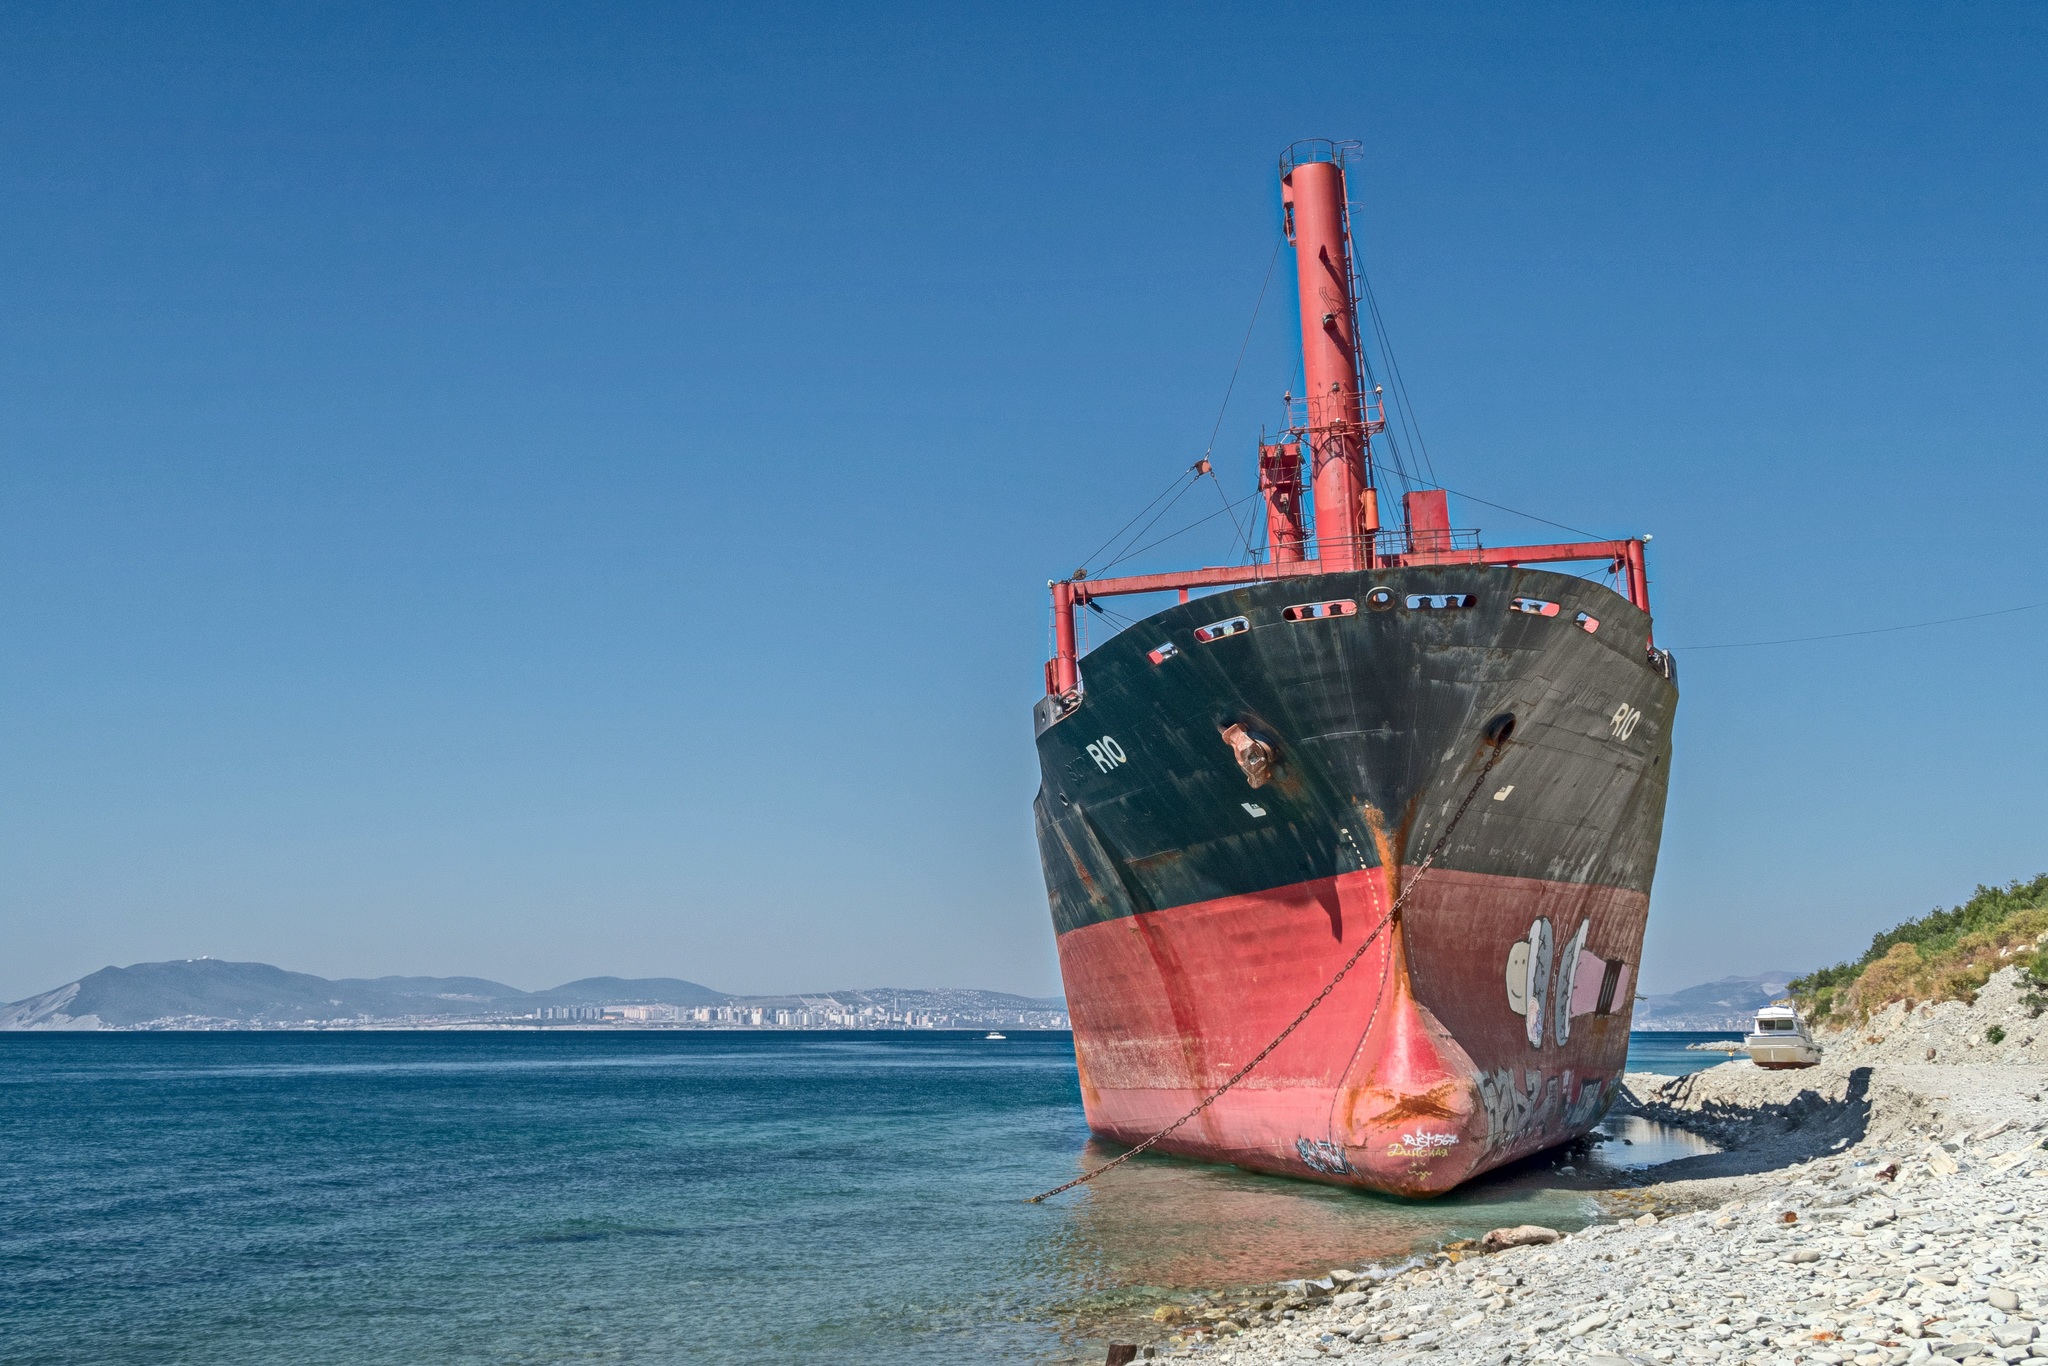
[[1230, 807]]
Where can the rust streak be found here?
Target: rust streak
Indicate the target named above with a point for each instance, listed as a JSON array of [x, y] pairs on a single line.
[[1430, 1104], [1390, 846]]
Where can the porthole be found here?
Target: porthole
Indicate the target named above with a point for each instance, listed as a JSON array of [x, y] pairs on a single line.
[[1318, 611], [1217, 630]]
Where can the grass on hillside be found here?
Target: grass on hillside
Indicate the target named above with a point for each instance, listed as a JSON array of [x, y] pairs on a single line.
[[1942, 956]]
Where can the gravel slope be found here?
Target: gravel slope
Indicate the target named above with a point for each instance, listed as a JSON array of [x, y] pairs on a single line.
[[1952, 1031]]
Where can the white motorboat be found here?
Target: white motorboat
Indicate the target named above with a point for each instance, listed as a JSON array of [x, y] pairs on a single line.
[[995, 1036], [1781, 1039]]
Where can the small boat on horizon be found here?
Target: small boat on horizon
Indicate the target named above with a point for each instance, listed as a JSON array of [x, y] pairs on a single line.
[[992, 1034], [1781, 1039]]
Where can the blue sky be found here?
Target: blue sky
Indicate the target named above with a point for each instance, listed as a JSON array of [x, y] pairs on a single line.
[[548, 490]]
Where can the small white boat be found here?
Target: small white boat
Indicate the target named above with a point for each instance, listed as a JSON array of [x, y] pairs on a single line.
[[995, 1036], [1781, 1039]]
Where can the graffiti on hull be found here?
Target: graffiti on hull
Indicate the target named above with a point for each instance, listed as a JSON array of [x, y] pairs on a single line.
[[1320, 1154], [1422, 1145], [1528, 978], [1593, 1098], [1511, 1109], [1584, 983], [1536, 1109]]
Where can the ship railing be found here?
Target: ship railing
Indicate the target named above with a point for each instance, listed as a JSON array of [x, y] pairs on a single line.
[[1344, 152], [1396, 545], [1389, 549], [1403, 542], [1365, 415]]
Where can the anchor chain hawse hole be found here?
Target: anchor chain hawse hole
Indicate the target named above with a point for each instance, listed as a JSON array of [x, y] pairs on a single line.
[[1254, 753]]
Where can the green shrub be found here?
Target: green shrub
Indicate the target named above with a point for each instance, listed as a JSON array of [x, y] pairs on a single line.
[[1995, 1034], [1943, 955]]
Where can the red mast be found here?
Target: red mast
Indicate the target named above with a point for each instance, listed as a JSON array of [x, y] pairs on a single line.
[[1336, 429]]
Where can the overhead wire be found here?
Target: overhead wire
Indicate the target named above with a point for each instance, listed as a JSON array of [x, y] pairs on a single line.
[[1118, 535], [1403, 407], [1121, 621], [1202, 466], [1517, 512], [1243, 346], [1872, 631], [1242, 534], [1127, 551], [1153, 545], [1359, 285]]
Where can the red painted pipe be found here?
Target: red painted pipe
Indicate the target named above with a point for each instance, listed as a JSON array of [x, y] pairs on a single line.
[[1312, 197], [1638, 576], [1066, 672]]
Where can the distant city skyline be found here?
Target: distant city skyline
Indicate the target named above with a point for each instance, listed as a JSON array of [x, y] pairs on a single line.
[[547, 492], [215, 994]]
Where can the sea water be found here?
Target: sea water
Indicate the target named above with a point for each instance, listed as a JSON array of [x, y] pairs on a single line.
[[624, 1196], [1672, 1053]]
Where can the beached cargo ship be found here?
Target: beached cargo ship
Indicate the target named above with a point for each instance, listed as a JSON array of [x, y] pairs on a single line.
[[1236, 788]]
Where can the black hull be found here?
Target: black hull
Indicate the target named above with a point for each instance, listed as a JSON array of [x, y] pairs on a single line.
[[1376, 721]]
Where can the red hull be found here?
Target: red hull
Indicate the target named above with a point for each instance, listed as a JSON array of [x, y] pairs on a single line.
[[1422, 1069]]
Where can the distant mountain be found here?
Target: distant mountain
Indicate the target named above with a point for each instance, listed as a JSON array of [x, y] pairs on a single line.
[[211, 990], [209, 993], [1730, 1003], [204, 987], [633, 991]]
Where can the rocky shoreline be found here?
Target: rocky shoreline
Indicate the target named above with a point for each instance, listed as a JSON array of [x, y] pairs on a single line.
[[1872, 1210]]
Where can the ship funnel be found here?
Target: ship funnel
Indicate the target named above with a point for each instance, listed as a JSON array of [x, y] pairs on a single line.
[[1317, 221]]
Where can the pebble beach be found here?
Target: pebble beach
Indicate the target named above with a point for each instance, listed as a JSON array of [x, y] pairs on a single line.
[[1886, 1208]]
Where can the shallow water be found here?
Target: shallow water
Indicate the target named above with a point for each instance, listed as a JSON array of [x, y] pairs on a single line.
[[1667, 1051], [1631, 1143], [626, 1197]]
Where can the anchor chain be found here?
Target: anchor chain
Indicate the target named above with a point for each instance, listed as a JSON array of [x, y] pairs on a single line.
[[1421, 870]]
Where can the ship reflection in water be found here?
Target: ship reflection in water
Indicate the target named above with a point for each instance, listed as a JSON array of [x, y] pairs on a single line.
[[1160, 1225], [1164, 1224]]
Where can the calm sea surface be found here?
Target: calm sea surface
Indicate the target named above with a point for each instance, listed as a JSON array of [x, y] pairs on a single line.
[[629, 1197], [1670, 1052]]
